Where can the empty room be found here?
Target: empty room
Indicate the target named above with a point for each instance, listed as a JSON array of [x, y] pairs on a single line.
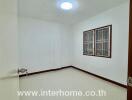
[[65, 50]]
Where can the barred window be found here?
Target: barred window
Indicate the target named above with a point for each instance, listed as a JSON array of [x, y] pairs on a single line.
[[97, 42], [88, 43]]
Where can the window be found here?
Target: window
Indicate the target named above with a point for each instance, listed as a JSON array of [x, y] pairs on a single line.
[[97, 42], [88, 43]]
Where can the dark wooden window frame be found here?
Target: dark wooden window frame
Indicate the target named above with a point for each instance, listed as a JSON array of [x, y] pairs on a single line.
[[110, 41]]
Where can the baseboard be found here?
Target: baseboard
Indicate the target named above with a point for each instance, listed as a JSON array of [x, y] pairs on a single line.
[[61, 68]]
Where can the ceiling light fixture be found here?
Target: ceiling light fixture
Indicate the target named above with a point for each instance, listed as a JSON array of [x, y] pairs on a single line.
[[66, 5]]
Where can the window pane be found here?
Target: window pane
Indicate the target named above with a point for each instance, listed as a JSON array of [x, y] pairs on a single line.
[[106, 33], [90, 35], [90, 46], [88, 42], [106, 49], [85, 36], [85, 46], [105, 46], [98, 35], [102, 42], [99, 49], [105, 53], [90, 52], [98, 52], [98, 46]]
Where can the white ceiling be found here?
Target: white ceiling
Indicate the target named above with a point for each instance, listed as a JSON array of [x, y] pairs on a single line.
[[48, 10]]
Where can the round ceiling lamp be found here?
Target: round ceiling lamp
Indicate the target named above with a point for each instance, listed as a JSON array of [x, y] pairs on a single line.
[[66, 5]]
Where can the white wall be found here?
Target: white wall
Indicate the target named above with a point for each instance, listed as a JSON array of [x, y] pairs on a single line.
[[44, 45], [70, 79], [8, 50], [116, 67]]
